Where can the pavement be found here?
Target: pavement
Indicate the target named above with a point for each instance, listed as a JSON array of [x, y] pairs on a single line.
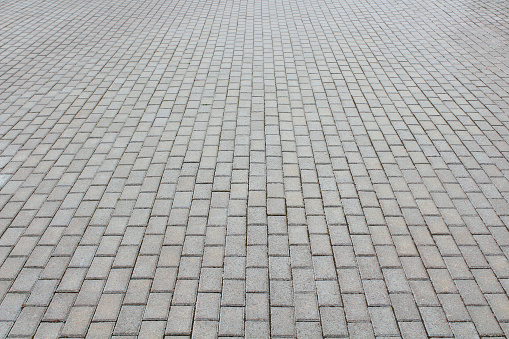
[[254, 168]]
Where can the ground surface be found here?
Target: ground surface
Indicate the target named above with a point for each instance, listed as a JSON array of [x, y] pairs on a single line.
[[275, 168]]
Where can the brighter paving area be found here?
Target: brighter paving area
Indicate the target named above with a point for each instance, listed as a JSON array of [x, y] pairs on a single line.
[[254, 168]]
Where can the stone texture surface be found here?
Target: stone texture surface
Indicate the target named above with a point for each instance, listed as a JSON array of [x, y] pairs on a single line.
[[301, 168]]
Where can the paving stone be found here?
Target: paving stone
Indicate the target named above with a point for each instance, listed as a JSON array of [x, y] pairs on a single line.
[[454, 308], [464, 330], [281, 293], [118, 280], [42, 292], [78, 321], [180, 320], [360, 330], [470, 292], [328, 293], [129, 320], [309, 330], [210, 280], [484, 321], [233, 293], [257, 329], [232, 321], [376, 293], [384, 321], [435, 321], [458, 268], [59, 307], [48, 330], [205, 329], [257, 280], [185, 292], [27, 322], [499, 303], [324, 268], [108, 307], [282, 321], [487, 281], [253, 169], [333, 321], [137, 291], [207, 306], [350, 281], [89, 293], [413, 329], [151, 329], [396, 281], [306, 307], [356, 308], [405, 307]]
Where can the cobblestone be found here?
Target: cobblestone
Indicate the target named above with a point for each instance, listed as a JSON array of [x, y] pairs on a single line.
[[257, 169]]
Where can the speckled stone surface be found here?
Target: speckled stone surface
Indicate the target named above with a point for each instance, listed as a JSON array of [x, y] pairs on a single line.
[[242, 168]]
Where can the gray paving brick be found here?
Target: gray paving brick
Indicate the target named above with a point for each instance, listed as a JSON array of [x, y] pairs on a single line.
[[89, 293], [59, 307], [355, 307], [151, 329], [207, 306], [108, 307], [253, 169], [42, 292], [210, 280], [464, 329], [484, 321], [453, 307], [118, 279], [281, 293], [78, 321], [27, 321], [11, 267], [233, 293], [405, 308], [205, 329], [499, 303], [487, 281], [376, 293], [309, 330], [257, 280], [185, 292], [26, 280], [282, 321], [435, 321], [180, 320], [384, 321], [257, 307], [129, 320], [470, 292], [164, 279], [328, 293], [350, 281], [232, 321], [257, 329], [458, 268], [306, 307], [360, 330], [324, 268], [412, 329], [333, 321], [137, 291]]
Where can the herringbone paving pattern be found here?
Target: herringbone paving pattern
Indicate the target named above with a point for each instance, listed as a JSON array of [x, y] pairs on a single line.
[[254, 168]]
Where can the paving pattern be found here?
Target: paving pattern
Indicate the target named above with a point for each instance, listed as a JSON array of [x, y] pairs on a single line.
[[254, 168]]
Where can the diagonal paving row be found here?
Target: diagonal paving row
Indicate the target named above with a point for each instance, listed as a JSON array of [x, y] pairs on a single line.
[[242, 168]]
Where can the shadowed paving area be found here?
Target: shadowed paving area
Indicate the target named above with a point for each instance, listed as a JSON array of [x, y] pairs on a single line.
[[254, 168]]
